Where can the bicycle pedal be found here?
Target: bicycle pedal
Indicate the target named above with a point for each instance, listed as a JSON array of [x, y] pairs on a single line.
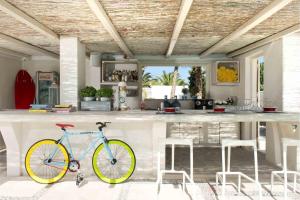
[[79, 179]]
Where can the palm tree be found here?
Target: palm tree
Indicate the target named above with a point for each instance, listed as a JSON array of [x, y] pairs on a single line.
[[175, 76], [167, 79], [147, 78]]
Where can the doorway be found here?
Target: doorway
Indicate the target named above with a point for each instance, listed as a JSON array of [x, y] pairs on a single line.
[[261, 126]]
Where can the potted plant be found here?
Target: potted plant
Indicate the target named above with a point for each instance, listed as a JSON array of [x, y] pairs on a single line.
[[104, 94], [88, 93]]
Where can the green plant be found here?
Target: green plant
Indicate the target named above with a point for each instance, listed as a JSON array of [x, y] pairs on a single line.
[[185, 91], [197, 82], [104, 92], [88, 91], [167, 79]]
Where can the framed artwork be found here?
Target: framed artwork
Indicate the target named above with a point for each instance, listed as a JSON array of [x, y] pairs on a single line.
[[227, 73]]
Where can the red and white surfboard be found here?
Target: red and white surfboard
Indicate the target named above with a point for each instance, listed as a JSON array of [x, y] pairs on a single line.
[[24, 90]]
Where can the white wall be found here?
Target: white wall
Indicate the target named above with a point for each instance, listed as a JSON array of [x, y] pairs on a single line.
[[281, 86], [41, 63], [219, 92], [9, 68], [291, 73]]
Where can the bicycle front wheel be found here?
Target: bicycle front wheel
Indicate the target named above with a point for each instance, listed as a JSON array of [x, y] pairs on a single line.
[[119, 171], [47, 161]]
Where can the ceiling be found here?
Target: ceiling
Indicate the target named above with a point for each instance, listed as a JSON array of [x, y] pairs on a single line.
[[146, 26]]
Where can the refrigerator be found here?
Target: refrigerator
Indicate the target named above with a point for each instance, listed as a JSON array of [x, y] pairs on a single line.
[[47, 88]]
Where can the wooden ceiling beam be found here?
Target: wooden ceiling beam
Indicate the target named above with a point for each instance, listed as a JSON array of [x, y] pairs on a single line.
[[9, 52], [28, 46], [184, 10], [264, 14], [26, 19], [260, 43], [101, 14]]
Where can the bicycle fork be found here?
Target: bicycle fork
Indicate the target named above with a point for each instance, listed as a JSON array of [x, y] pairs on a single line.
[[108, 151]]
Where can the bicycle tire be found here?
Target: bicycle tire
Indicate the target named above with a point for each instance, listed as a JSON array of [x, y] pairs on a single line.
[[28, 162], [99, 170]]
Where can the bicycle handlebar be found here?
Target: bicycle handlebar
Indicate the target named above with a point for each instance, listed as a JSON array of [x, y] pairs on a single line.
[[102, 124]]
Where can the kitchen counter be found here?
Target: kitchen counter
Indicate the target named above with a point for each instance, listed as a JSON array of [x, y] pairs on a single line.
[[145, 131], [138, 115]]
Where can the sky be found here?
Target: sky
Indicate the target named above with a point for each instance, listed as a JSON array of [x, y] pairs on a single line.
[[158, 70]]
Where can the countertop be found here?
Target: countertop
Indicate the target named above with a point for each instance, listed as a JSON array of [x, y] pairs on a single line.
[[140, 116]]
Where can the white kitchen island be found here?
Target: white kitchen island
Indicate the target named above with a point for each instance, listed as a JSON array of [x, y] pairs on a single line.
[[144, 131]]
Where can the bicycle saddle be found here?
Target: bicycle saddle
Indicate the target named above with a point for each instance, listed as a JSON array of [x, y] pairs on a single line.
[[65, 125]]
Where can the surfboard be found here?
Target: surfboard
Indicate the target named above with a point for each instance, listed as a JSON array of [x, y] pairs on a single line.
[[24, 90]]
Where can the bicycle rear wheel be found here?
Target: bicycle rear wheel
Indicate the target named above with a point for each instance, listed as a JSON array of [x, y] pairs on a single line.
[[119, 171], [46, 161]]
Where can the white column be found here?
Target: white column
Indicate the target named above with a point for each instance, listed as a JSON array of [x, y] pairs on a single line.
[[282, 85], [72, 69], [12, 137]]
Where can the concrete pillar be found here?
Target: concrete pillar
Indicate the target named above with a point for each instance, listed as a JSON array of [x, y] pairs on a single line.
[[72, 70], [282, 86]]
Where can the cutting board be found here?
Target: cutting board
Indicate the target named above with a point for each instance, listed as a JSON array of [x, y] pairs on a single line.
[[24, 90]]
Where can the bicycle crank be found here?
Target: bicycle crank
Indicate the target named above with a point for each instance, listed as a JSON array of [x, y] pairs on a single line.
[[74, 166]]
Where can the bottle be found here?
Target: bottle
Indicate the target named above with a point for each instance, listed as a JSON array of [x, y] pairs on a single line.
[[166, 102]]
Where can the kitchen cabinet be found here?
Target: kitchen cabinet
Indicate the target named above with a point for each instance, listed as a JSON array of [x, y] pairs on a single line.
[[203, 133]]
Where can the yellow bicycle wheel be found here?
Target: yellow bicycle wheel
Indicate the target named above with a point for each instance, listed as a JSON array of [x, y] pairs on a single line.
[[46, 161], [119, 171]]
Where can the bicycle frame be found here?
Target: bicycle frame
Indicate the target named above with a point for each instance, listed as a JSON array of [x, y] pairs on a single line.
[[64, 140]]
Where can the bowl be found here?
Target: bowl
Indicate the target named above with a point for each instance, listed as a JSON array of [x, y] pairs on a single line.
[[270, 109], [219, 109], [170, 109]]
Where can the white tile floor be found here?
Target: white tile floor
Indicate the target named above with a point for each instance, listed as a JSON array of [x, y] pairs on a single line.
[[207, 162]]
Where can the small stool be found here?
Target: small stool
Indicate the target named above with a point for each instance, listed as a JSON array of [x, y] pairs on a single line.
[[180, 142], [286, 142], [222, 175]]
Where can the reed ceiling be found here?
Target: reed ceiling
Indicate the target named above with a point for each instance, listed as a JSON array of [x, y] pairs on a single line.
[[146, 26]]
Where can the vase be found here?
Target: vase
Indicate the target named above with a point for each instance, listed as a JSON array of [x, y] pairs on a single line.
[[88, 98]]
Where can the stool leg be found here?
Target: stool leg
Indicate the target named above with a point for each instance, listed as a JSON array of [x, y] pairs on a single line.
[[228, 159], [285, 171], [272, 181], [256, 165], [239, 184], [192, 162], [173, 156], [295, 183], [256, 172], [217, 182], [183, 182], [223, 172]]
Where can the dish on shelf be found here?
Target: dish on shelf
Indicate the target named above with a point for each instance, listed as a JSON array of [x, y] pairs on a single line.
[[219, 110], [269, 109], [170, 110]]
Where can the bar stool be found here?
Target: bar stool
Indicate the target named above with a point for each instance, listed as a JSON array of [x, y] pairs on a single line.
[[222, 175], [286, 142], [180, 142]]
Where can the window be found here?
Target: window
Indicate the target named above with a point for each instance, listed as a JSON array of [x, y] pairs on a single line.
[[185, 82]]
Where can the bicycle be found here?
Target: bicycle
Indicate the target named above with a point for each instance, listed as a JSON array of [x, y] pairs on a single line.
[[47, 161]]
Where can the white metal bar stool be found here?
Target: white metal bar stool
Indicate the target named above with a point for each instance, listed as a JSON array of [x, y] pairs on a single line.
[[180, 142], [222, 175], [286, 142]]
